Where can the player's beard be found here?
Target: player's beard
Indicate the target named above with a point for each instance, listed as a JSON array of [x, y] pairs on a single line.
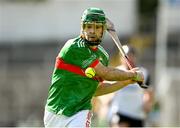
[[92, 39]]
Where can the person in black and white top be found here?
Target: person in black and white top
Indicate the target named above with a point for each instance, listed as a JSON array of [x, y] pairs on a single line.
[[130, 105]]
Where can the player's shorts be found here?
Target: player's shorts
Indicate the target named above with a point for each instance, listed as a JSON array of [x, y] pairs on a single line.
[[81, 119]]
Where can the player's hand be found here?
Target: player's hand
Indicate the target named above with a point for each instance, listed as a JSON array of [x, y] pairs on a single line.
[[110, 25], [139, 75], [139, 78]]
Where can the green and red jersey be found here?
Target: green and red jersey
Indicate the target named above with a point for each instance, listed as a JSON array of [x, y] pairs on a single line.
[[71, 91]]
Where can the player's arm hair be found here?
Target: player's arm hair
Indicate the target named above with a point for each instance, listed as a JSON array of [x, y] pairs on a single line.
[[105, 88], [113, 74]]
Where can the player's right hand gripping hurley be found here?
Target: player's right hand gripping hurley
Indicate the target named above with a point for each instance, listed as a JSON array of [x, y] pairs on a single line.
[[140, 79]]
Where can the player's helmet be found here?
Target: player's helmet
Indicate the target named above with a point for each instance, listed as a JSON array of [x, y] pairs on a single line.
[[93, 15]]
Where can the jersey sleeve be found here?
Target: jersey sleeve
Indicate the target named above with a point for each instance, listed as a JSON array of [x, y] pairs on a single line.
[[103, 55]]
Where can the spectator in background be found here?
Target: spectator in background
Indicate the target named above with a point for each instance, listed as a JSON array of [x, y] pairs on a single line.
[[130, 105]]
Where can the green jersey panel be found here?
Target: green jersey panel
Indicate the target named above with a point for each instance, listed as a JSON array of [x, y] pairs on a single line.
[[70, 93]]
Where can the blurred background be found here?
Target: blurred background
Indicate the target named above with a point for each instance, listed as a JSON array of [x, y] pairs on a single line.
[[33, 31]]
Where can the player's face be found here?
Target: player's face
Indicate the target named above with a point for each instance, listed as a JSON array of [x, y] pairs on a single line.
[[93, 31]]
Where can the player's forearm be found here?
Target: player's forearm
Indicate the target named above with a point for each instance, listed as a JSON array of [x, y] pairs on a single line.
[[105, 88], [113, 74]]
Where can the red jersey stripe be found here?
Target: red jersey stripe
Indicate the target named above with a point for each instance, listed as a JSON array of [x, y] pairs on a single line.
[[60, 64]]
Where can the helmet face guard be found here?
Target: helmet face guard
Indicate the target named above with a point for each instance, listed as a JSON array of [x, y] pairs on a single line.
[[94, 16]]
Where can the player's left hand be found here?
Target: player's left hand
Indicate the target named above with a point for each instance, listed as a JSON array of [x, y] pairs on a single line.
[[139, 75], [139, 78]]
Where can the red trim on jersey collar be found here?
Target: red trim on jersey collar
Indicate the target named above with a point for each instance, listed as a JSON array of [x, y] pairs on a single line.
[[60, 64], [94, 49]]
